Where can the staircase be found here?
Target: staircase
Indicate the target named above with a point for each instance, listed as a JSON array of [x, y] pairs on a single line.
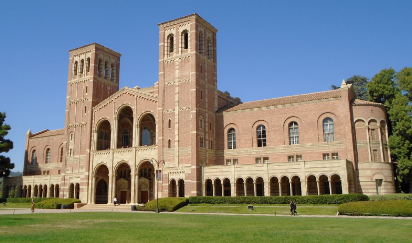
[[106, 207]]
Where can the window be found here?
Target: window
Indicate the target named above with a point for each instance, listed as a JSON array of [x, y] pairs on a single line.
[[375, 155], [291, 158], [81, 66], [100, 67], [293, 133], [170, 123], [145, 137], [201, 94], [235, 161], [328, 130], [201, 43], [75, 68], [86, 89], [85, 109], [71, 136], [201, 122], [48, 172], [185, 39], [126, 138], [210, 126], [71, 152], [326, 156], [44, 172], [299, 158], [373, 134], [231, 138], [112, 72], [48, 156], [34, 157], [201, 142], [170, 42], [61, 155], [261, 136], [335, 156], [228, 162], [169, 143], [266, 160], [258, 160], [59, 172], [209, 49], [88, 64], [210, 144], [106, 68]]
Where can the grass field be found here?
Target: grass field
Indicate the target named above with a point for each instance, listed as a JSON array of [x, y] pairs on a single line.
[[171, 227], [261, 209], [15, 205]]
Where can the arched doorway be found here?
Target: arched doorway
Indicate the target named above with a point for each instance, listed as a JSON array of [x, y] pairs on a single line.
[[336, 184], [146, 182], [312, 185], [57, 191], [285, 187], [101, 189], [296, 188], [181, 188], [51, 192], [103, 135], [125, 128], [29, 191], [45, 191], [227, 190], [240, 187], [250, 188], [123, 184], [274, 186], [77, 191], [260, 188], [172, 188], [209, 187], [71, 190], [147, 130], [324, 185], [36, 191], [218, 188]]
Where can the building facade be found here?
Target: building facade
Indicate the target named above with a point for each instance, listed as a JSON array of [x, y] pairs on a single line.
[[183, 137]]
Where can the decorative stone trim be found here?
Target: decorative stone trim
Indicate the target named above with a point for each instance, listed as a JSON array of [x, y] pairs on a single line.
[[77, 124]]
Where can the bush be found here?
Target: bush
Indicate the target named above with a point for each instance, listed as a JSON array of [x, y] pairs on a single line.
[[56, 203], [25, 200], [321, 199], [390, 197], [377, 208], [167, 204]]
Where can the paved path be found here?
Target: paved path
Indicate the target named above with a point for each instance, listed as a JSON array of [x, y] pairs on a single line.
[[123, 210]]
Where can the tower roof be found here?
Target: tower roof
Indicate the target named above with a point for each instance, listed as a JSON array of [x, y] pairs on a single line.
[[184, 18]]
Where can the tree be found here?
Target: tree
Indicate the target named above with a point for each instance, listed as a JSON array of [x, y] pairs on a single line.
[[382, 88], [359, 85], [5, 146]]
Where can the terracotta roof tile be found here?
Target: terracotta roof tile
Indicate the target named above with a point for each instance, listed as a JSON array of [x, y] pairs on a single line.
[[47, 133], [364, 102], [287, 100]]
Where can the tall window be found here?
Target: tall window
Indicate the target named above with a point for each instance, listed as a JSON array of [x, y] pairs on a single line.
[[169, 143], [88, 64], [328, 130], [170, 123], [293, 133], [34, 157], [201, 43], [170, 41], [231, 139], [201, 142], [100, 67], [106, 68], [81, 66], [125, 138], [185, 39], [261, 136], [61, 154], [48, 156], [112, 73], [146, 136], [209, 49], [75, 68]]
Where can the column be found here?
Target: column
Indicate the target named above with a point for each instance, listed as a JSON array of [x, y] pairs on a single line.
[[291, 188], [132, 186], [266, 188], [213, 188], [369, 146], [177, 189], [233, 189], [280, 188], [318, 186], [137, 188], [204, 188], [223, 189], [244, 187], [110, 192], [93, 191], [330, 187], [254, 188], [305, 191]]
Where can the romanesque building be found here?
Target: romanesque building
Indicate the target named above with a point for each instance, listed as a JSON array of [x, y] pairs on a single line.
[[183, 137]]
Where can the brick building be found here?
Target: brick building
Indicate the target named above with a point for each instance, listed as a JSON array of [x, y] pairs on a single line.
[[206, 142]]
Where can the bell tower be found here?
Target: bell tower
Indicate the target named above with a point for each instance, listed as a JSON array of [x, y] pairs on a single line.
[[187, 99], [93, 76]]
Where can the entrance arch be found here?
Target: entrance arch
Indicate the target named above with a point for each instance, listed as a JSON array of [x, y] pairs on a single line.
[[336, 184], [172, 188], [324, 185], [240, 187], [146, 183], [260, 190], [125, 128], [227, 190], [101, 178], [147, 130], [218, 188], [296, 188], [209, 188], [285, 187], [123, 184], [312, 185], [103, 135], [71, 191], [274, 186], [181, 188], [250, 189]]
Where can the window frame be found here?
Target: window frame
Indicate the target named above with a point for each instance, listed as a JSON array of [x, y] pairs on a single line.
[[261, 136], [328, 130], [293, 129], [231, 138]]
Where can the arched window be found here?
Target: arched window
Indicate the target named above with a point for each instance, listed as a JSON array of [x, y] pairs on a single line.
[[48, 156], [231, 139], [100, 67], [61, 154], [169, 143], [112, 71], [170, 123], [75, 68], [293, 133], [125, 138], [146, 136], [170, 42], [185, 39], [34, 157], [106, 68], [328, 130], [261, 136], [88, 64], [201, 142], [201, 43], [209, 49], [81, 66]]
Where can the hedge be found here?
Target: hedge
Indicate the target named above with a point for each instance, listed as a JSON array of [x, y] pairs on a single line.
[[167, 204], [56, 203], [25, 200], [377, 208], [390, 197], [321, 199]]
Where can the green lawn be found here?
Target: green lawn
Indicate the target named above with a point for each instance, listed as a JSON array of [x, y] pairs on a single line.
[[150, 227], [261, 209], [15, 205]]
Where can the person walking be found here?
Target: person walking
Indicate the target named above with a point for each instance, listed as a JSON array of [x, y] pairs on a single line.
[[294, 208], [115, 201], [32, 205], [291, 208]]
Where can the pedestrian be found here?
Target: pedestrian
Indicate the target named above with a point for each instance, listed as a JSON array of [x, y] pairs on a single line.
[[291, 208], [115, 201], [294, 208], [32, 205]]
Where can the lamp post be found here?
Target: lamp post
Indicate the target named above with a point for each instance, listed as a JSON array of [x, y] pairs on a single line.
[[157, 179]]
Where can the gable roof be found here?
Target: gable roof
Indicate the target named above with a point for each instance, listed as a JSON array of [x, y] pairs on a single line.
[[47, 133]]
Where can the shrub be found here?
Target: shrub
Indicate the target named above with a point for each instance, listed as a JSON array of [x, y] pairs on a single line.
[[25, 200], [321, 199], [390, 208], [56, 203], [167, 204], [389, 197]]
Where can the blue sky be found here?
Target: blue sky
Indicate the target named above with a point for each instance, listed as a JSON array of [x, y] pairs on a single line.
[[265, 49]]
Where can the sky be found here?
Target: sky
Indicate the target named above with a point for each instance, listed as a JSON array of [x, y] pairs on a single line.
[[265, 49]]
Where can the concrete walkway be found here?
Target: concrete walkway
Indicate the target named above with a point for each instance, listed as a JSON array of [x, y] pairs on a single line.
[[128, 210]]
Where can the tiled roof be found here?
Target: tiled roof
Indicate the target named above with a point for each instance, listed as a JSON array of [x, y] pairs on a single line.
[[364, 102], [47, 133], [287, 100]]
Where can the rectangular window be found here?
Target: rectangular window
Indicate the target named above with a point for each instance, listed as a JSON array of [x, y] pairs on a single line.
[[44, 172], [48, 172], [211, 144], [258, 160], [201, 143], [291, 158], [326, 157], [158, 175], [266, 160], [375, 155], [299, 158], [59, 172], [373, 134], [235, 161], [228, 162], [335, 156]]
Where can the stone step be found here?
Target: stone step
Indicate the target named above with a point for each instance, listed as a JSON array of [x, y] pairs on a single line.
[[106, 207]]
